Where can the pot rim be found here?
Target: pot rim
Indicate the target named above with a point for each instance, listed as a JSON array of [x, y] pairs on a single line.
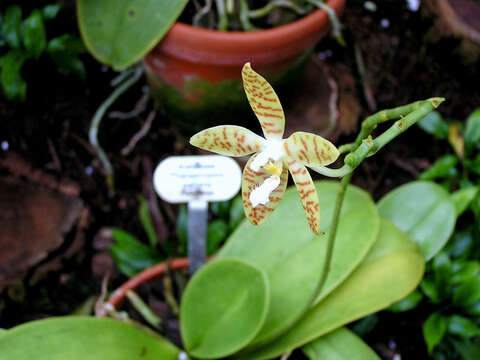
[[234, 47]]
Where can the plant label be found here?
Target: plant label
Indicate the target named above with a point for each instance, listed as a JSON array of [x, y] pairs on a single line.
[[182, 179]]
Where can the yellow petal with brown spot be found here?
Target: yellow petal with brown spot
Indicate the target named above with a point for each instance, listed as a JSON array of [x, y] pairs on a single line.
[[252, 179], [228, 140], [264, 103], [310, 149], [308, 194]]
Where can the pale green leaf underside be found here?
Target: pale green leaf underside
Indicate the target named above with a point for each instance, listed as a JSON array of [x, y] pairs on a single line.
[[120, 32], [83, 338], [292, 256]]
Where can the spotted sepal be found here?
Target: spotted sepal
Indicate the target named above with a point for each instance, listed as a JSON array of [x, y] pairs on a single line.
[[264, 103], [228, 140], [308, 194], [310, 149], [252, 179]]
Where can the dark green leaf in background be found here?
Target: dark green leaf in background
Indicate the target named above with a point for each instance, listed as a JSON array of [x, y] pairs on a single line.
[[34, 34], [64, 51], [409, 303], [462, 326], [12, 26], [440, 168], [472, 129], [434, 124], [50, 11], [463, 198], [13, 85], [434, 330], [145, 219], [467, 292], [217, 231], [237, 214]]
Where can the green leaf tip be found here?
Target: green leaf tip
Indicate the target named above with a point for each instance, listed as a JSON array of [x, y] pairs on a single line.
[[436, 101]]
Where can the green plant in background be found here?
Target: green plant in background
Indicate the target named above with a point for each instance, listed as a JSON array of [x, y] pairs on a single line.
[[26, 39], [279, 286]]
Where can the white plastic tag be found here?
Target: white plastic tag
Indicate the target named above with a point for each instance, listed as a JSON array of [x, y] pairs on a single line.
[[181, 179]]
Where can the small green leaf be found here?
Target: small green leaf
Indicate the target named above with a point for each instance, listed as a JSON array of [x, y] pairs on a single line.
[[461, 243], [146, 220], [66, 43], [63, 50], [365, 325], [12, 26], [217, 231], [442, 271], [80, 338], [462, 326], [14, 86], [221, 209], [34, 35], [182, 229], [340, 344], [467, 292], [463, 198], [423, 210], [120, 32], [472, 129], [439, 168], [429, 288], [130, 255], [50, 11], [237, 214], [223, 307], [434, 330], [465, 270], [434, 124], [408, 303]]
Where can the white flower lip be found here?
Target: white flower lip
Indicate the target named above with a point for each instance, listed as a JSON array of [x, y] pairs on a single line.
[[261, 194], [272, 150]]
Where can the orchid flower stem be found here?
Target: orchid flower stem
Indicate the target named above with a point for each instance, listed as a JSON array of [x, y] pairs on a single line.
[[222, 15], [143, 309], [408, 114], [264, 11], [336, 25], [97, 118], [325, 171]]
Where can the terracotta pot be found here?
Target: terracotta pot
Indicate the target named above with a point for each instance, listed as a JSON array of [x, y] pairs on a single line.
[[195, 73]]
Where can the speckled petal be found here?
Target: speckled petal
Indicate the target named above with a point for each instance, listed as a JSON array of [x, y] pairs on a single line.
[[250, 180], [310, 149], [307, 192], [228, 140], [264, 103]]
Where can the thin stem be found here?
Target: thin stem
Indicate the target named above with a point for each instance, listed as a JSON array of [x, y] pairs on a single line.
[[201, 13], [336, 25], [222, 15], [325, 171], [370, 146], [143, 309], [97, 118], [264, 11], [244, 16]]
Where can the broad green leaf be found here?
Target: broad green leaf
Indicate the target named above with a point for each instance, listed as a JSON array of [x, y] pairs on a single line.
[[340, 344], [462, 326], [223, 307], [467, 292], [120, 32], [34, 34], [130, 255], [217, 231], [409, 303], [80, 338], [434, 124], [462, 199], [392, 269], [146, 220], [424, 211], [439, 168], [50, 11], [12, 26], [434, 330], [2, 332], [292, 256], [13, 85], [472, 129]]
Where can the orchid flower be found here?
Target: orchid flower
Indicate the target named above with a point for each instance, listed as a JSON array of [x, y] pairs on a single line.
[[265, 175]]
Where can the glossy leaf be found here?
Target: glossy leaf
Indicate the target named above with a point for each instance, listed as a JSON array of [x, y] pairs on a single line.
[[423, 210], [130, 255], [462, 326], [434, 330], [79, 338], [434, 124], [12, 26], [292, 256], [472, 129], [120, 32], [34, 34], [340, 344], [439, 168], [409, 303], [223, 307], [462, 199], [391, 270], [467, 292]]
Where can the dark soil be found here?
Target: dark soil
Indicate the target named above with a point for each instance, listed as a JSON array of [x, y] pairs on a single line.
[[50, 130]]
